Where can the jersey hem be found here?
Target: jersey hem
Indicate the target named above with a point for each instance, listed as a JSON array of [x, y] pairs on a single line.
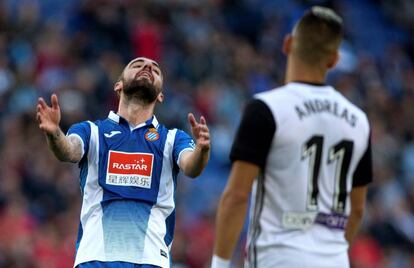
[[141, 262]]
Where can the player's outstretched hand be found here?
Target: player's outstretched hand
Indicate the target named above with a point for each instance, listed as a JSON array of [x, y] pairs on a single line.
[[48, 117], [200, 132]]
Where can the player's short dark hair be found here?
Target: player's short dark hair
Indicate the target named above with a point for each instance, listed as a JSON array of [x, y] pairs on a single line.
[[317, 35]]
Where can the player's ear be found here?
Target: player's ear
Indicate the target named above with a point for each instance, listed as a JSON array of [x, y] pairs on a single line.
[[118, 87], [287, 44], [333, 59], [160, 97]]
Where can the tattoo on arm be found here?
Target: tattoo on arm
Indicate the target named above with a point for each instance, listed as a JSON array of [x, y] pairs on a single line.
[[76, 146], [54, 136], [68, 149]]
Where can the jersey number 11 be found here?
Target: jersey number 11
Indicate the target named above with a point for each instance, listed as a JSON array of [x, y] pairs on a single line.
[[340, 153]]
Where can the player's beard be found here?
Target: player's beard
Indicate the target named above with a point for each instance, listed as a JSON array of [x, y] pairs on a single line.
[[142, 90]]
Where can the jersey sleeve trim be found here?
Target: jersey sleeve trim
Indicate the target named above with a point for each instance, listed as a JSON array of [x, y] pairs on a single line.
[[182, 142], [81, 141], [255, 134], [363, 174], [182, 151]]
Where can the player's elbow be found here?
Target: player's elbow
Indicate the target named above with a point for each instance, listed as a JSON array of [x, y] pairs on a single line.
[[357, 212], [234, 198], [193, 170], [192, 173], [61, 157], [73, 160], [66, 159]]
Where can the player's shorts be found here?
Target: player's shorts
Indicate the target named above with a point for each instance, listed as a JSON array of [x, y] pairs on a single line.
[[114, 264], [290, 258]]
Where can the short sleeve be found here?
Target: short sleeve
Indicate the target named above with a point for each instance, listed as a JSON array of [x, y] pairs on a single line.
[[255, 134], [83, 131], [363, 173], [183, 142]]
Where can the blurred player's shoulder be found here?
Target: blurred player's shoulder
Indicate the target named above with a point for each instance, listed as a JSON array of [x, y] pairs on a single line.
[[291, 93], [273, 94]]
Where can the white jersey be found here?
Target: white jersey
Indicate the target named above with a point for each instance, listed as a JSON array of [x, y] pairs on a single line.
[[317, 150]]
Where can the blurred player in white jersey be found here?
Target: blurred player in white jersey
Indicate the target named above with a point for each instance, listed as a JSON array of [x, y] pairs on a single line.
[[128, 172], [304, 152]]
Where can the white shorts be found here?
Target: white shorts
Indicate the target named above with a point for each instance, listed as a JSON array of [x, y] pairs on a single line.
[[292, 258]]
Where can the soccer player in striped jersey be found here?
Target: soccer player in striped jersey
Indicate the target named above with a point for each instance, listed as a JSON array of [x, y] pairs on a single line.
[[128, 172], [304, 152]]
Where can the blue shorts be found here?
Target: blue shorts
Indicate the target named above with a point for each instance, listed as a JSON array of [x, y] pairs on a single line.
[[114, 264]]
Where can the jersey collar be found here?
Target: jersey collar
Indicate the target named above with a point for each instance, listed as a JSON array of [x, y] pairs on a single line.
[[310, 83], [119, 119]]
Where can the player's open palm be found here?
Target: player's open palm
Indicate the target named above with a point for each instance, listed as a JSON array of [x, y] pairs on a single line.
[[48, 117], [200, 132]]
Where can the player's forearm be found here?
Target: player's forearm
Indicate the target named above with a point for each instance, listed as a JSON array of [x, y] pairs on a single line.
[[358, 198], [352, 227], [229, 223], [196, 162], [66, 149]]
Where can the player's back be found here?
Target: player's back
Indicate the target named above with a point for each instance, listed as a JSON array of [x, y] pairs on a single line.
[[302, 200]]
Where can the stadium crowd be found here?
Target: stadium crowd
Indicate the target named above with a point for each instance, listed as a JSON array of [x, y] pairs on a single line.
[[216, 54]]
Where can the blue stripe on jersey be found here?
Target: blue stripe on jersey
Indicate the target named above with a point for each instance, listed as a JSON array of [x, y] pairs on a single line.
[[124, 225], [170, 224], [170, 220], [80, 233], [83, 165]]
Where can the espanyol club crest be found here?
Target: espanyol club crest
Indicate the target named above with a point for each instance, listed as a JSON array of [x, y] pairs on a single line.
[[152, 135]]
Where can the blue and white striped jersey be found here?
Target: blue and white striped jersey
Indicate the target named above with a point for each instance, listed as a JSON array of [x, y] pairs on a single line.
[[128, 179]]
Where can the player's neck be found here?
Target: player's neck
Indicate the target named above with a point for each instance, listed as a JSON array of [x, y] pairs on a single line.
[[297, 71], [135, 112]]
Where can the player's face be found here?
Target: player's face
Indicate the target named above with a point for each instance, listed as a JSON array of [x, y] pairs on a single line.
[[142, 78], [143, 68]]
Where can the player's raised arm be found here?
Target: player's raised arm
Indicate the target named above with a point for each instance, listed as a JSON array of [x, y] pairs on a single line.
[[67, 149], [192, 163]]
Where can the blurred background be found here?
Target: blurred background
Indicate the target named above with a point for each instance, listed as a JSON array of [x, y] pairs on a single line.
[[215, 55]]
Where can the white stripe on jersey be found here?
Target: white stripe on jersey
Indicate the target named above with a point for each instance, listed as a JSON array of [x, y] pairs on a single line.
[[91, 245], [162, 209]]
